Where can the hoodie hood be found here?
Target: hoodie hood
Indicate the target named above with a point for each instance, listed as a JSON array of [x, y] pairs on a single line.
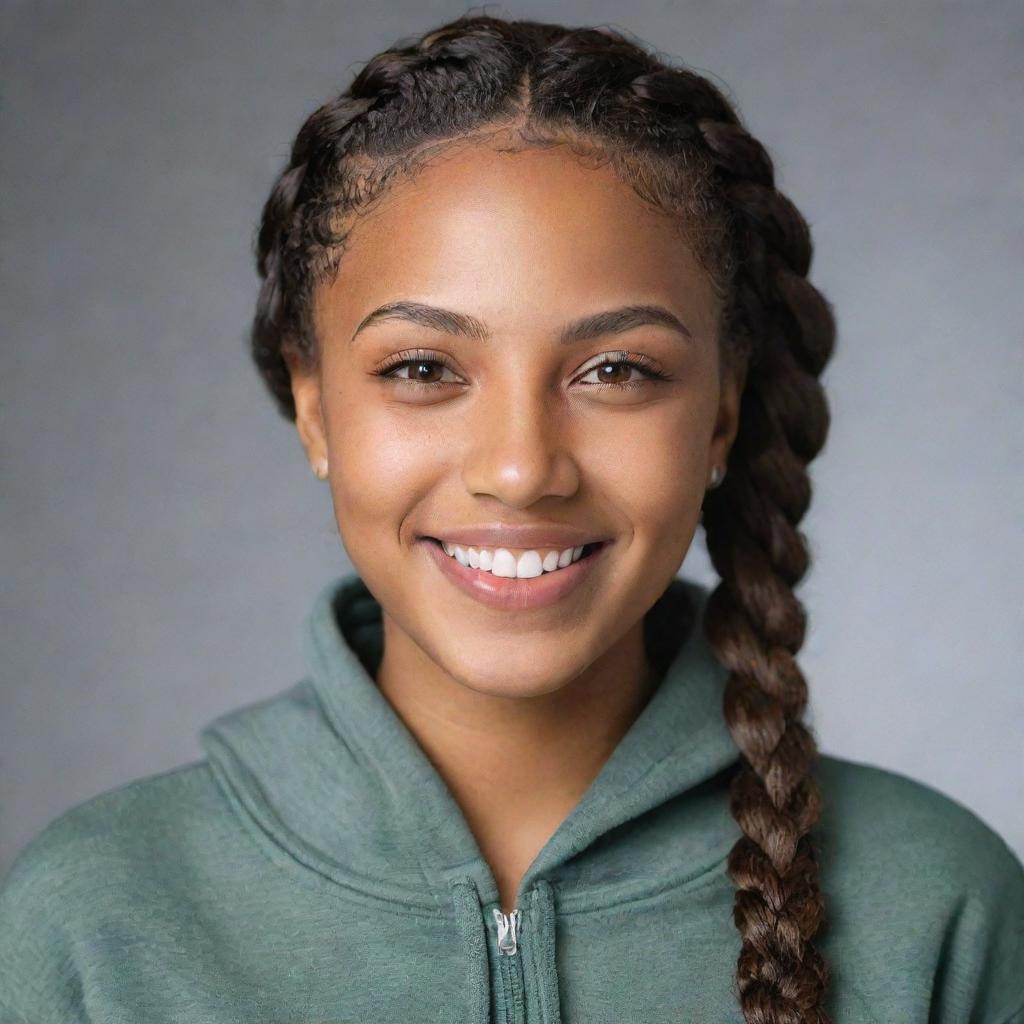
[[330, 773]]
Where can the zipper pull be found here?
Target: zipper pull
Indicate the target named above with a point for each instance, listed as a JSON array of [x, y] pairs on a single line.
[[508, 925]]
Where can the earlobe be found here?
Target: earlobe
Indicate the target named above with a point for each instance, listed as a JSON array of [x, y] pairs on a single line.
[[309, 416], [728, 420]]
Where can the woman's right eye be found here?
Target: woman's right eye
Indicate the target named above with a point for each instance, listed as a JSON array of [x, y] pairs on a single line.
[[422, 370]]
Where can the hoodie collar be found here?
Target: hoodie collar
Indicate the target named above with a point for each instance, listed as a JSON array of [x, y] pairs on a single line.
[[332, 776]]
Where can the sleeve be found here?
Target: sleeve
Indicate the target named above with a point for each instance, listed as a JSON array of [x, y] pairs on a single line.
[[981, 979], [39, 982]]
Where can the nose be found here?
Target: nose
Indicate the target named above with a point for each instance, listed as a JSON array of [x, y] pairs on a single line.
[[519, 444]]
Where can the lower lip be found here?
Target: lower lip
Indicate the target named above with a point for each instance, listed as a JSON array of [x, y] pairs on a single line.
[[514, 594]]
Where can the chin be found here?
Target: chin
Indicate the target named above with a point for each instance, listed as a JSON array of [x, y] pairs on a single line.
[[532, 674]]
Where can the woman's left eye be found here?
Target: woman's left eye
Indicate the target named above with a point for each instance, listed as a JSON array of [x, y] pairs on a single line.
[[618, 363]]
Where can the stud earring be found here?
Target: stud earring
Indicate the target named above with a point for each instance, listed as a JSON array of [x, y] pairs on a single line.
[[320, 469], [717, 475]]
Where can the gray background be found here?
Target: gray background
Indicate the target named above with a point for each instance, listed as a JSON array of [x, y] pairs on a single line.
[[162, 534]]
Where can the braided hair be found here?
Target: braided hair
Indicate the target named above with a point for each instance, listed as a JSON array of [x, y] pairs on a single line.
[[672, 136]]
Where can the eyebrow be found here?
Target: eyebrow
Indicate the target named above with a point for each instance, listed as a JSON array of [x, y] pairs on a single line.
[[595, 325]]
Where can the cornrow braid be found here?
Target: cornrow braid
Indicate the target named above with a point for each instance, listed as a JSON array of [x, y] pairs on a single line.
[[279, 314], [675, 139]]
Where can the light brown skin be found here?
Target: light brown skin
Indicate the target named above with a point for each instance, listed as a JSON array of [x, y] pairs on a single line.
[[518, 710]]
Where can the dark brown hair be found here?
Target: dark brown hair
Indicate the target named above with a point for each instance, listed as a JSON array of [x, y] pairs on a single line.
[[673, 136]]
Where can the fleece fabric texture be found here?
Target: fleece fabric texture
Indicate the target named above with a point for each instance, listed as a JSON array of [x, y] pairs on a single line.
[[313, 868]]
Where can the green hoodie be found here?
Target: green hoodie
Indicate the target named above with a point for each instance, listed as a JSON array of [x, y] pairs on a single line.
[[314, 868]]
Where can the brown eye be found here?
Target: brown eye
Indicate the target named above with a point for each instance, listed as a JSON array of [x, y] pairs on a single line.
[[427, 370], [421, 371], [614, 373], [615, 370]]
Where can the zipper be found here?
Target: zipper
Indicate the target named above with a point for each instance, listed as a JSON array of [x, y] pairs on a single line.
[[508, 931], [511, 996]]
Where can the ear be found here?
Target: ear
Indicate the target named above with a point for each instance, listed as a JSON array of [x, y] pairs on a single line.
[[727, 420], [309, 416]]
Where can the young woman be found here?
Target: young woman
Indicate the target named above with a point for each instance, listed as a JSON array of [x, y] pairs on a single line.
[[536, 309]]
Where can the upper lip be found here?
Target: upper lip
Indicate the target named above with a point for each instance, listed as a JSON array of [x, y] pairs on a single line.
[[537, 536]]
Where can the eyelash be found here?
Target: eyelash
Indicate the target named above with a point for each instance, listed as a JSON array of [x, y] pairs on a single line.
[[636, 360]]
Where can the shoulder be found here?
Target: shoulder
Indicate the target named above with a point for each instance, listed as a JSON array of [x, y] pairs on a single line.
[[868, 807], [151, 821], [916, 877], [89, 862], [118, 825]]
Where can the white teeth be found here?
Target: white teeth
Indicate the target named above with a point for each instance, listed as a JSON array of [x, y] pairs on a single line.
[[529, 565], [502, 562]]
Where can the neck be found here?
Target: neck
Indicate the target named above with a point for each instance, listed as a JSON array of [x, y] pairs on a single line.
[[516, 760]]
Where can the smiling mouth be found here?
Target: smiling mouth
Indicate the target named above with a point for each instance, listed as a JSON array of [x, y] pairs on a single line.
[[588, 550], [544, 582]]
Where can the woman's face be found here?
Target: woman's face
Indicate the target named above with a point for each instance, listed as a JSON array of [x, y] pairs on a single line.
[[520, 427]]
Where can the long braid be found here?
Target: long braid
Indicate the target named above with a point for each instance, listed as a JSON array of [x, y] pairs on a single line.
[[753, 620], [677, 141]]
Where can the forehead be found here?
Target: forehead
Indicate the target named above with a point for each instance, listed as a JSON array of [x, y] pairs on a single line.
[[535, 232]]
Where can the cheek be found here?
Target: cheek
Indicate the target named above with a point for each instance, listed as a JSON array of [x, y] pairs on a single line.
[[652, 468], [383, 462]]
